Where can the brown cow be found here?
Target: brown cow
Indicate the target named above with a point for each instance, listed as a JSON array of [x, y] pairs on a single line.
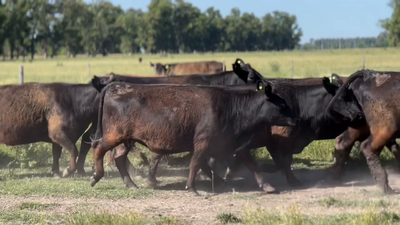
[[206, 120], [235, 77], [367, 102], [206, 67], [57, 113]]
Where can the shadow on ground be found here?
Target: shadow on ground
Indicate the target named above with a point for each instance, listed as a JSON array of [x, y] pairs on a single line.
[[356, 174]]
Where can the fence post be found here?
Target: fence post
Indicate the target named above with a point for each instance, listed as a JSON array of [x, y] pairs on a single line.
[[21, 74], [363, 62], [224, 67], [292, 69], [88, 69]]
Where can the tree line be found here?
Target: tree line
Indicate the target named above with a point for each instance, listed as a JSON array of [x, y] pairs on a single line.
[[71, 27], [381, 41]]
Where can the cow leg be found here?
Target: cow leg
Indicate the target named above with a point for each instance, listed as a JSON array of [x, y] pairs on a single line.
[[120, 157], [283, 162], [372, 148], [197, 159], [232, 168], [155, 160], [287, 167], [343, 147], [84, 149], [100, 147], [250, 163], [208, 171], [211, 163], [56, 160], [61, 138]]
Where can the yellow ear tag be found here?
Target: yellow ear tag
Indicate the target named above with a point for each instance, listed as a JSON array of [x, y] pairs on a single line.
[[238, 61], [260, 88]]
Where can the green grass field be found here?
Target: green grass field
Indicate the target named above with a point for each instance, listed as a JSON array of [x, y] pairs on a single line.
[[24, 170], [269, 64]]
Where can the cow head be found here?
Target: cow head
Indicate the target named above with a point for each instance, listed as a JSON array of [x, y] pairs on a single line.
[[245, 72], [278, 111], [344, 106], [100, 82], [159, 68]]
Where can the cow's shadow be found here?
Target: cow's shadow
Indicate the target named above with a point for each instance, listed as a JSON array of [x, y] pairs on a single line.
[[356, 174]]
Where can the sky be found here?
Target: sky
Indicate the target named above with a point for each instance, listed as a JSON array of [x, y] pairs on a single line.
[[316, 18]]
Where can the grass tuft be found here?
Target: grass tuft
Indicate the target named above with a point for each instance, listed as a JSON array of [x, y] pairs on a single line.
[[104, 218], [228, 218], [36, 205], [328, 202]]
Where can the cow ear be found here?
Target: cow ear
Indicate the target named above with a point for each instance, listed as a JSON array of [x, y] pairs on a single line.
[[329, 87], [264, 86], [336, 80], [239, 61], [237, 69], [96, 83], [151, 64], [259, 86], [112, 77]]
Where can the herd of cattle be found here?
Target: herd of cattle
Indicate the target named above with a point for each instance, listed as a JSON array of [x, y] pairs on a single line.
[[216, 115]]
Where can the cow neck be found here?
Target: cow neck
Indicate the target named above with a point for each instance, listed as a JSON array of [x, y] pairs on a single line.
[[247, 109], [86, 99]]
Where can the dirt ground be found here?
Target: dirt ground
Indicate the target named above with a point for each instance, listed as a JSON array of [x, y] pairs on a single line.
[[357, 190]]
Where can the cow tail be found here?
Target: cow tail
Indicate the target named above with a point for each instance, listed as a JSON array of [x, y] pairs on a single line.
[[352, 78], [99, 130]]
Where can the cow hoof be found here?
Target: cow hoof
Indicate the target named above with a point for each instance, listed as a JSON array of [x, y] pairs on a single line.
[[388, 190], [132, 187], [56, 175], [93, 181], [267, 188], [192, 190], [66, 173]]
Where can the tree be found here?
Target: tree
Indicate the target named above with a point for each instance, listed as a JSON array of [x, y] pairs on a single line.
[[392, 25], [129, 22], [160, 30]]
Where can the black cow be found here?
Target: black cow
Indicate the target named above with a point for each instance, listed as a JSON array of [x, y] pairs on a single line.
[[369, 96], [56, 113], [209, 121]]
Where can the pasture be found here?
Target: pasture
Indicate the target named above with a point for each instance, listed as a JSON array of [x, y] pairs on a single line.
[[29, 195]]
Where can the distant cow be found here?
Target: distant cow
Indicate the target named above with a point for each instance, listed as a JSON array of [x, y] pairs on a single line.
[[209, 121], [235, 77], [56, 113], [371, 96], [207, 67]]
